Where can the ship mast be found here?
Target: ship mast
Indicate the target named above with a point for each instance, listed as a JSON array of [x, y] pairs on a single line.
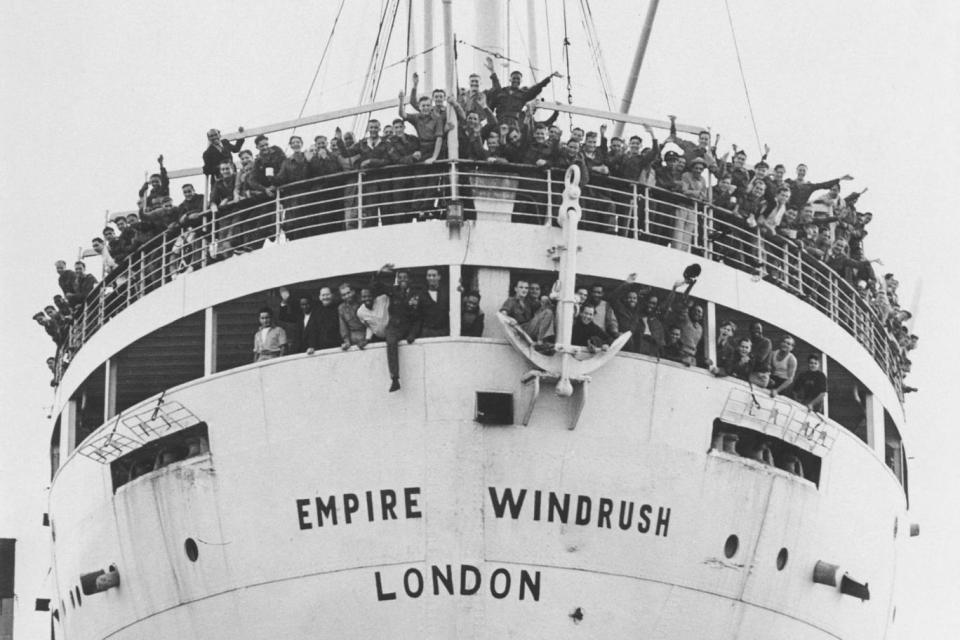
[[637, 62]]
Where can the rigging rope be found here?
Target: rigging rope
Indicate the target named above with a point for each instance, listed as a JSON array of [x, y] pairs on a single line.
[[492, 54], [743, 76], [546, 15], [323, 56], [406, 60], [593, 41], [566, 56]]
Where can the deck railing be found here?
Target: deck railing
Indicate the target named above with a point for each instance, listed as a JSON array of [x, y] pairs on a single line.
[[522, 194]]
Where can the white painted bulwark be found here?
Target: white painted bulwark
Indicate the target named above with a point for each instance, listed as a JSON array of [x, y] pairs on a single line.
[[328, 507]]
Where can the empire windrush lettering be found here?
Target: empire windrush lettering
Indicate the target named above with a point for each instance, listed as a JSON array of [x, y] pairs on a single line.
[[566, 508], [467, 579]]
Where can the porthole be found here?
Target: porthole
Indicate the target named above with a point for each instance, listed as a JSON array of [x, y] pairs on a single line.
[[731, 545], [190, 547], [782, 559]]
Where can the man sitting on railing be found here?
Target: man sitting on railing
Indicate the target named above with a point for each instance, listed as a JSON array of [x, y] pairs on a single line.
[[403, 317]]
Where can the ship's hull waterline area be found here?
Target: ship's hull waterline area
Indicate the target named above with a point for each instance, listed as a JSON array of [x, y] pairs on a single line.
[[327, 507]]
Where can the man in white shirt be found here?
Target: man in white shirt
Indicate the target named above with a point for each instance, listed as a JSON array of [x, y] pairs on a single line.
[[270, 341], [374, 312]]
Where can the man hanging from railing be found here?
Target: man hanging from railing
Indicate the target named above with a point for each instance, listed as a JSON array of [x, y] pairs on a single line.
[[403, 316]]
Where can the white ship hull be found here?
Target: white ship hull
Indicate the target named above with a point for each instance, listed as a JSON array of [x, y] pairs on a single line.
[[288, 432]]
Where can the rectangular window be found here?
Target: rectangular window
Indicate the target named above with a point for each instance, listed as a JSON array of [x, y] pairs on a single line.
[[494, 408]]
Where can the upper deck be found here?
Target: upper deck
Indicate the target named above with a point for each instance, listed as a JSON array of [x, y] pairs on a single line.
[[198, 323], [488, 193]]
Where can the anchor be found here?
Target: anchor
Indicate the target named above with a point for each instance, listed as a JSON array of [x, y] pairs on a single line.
[[568, 364]]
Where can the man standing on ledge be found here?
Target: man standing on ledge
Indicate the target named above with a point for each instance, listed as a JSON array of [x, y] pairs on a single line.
[[270, 341]]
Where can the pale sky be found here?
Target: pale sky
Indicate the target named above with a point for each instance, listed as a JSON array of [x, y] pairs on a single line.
[[94, 91]]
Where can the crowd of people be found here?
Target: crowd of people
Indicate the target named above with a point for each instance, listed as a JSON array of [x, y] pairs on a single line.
[[754, 219], [671, 329], [388, 308]]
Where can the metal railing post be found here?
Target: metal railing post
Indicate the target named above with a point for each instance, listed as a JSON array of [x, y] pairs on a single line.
[[635, 212], [454, 187], [208, 239], [143, 255], [549, 217], [646, 211], [277, 217], [359, 199], [163, 256], [101, 301]]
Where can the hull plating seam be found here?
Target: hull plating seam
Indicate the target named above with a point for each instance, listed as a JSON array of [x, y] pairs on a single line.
[[541, 566]]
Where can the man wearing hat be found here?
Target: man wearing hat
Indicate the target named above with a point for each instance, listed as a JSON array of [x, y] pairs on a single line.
[[694, 187], [665, 197], [219, 151], [507, 102]]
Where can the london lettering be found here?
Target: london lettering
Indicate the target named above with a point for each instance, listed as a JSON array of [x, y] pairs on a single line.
[[582, 510], [465, 581]]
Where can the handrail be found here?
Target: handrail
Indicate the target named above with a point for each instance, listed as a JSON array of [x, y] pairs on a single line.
[[402, 193]]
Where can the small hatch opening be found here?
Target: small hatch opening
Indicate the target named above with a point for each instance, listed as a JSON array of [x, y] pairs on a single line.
[[494, 408]]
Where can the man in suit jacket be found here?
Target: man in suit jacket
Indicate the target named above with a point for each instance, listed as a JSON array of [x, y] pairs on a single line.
[[328, 321], [434, 307], [302, 321]]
